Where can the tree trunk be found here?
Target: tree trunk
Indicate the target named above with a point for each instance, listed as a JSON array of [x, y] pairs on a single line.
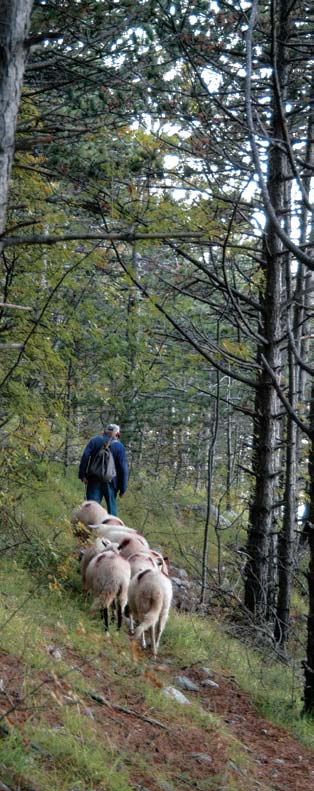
[[14, 25], [210, 467], [261, 543], [305, 281], [229, 450], [287, 536], [68, 395], [309, 664]]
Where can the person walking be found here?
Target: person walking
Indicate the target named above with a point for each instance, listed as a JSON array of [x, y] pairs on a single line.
[[96, 489]]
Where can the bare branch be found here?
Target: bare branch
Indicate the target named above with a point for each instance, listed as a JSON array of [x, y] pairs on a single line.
[[295, 249], [120, 236], [11, 306], [303, 426]]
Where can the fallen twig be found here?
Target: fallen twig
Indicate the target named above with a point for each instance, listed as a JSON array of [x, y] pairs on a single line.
[[104, 702]]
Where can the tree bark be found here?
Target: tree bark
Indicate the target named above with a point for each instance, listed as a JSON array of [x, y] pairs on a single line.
[[309, 664], [67, 409], [14, 26], [210, 468], [230, 458], [287, 538], [261, 545]]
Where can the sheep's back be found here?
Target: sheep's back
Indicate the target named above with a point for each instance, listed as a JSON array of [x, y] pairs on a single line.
[[140, 561], [89, 512], [131, 544], [149, 589], [113, 533], [107, 573]]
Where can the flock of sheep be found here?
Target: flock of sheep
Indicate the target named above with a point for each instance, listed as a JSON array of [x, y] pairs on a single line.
[[120, 569]]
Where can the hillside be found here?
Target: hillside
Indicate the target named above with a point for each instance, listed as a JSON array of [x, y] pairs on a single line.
[[156, 256], [107, 723], [81, 710]]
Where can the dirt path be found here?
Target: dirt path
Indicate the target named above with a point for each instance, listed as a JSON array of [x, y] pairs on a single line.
[[189, 756]]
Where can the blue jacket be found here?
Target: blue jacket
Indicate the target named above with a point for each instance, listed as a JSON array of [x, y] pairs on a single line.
[[120, 482]]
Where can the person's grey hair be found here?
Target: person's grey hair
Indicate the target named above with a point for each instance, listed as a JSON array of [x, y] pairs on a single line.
[[113, 427]]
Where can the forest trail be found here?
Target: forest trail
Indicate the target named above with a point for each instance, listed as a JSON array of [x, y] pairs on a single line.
[[243, 748]]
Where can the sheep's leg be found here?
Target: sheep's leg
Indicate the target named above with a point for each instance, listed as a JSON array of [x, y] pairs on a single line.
[[161, 625], [105, 617], [131, 624], [153, 639], [119, 616], [143, 640]]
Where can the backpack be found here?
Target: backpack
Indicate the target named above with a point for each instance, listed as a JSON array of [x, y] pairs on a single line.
[[102, 465]]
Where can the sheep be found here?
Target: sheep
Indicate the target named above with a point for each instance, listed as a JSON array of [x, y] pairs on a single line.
[[118, 534], [131, 544], [107, 576], [112, 520], [106, 530], [140, 561], [85, 555], [89, 512], [92, 513], [149, 601], [160, 560], [153, 559]]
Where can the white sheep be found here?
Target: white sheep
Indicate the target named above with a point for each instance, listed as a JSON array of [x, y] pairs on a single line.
[[90, 551], [140, 561], [130, 544], [107, 576], [92, 513], [107, 530], [112, 520], [160, 560], [119, 534], [152, 558], [149, 601]]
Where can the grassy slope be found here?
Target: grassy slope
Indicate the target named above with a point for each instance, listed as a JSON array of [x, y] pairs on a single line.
[[54, 657]]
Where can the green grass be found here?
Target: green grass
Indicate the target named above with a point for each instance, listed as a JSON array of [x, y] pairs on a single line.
[[275, 689], [66, 754], [57, 618], [41, 605]]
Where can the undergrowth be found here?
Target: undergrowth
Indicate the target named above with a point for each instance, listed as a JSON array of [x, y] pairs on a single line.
[[44, 620]]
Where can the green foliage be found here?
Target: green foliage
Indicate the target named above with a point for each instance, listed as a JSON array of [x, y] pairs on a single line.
[[100, 149], [42, 608]]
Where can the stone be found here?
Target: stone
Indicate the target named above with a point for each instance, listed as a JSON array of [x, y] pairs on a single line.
[[54, 652], [185, 683], [208, 682], [182, 573], [175, 694], [201, 757], [89, 713], [177, 581]]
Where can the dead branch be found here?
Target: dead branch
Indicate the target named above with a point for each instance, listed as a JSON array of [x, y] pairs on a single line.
[[104, 702]]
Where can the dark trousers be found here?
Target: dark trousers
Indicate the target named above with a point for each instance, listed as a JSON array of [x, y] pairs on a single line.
[[96, 490]]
